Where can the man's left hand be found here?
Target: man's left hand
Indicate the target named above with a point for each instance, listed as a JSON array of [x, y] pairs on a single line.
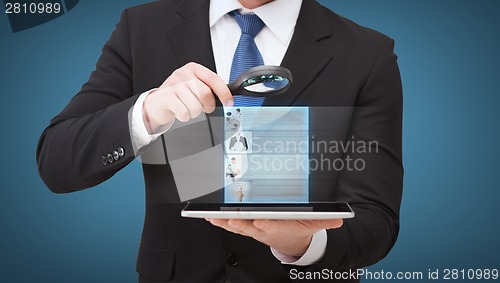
[[291, 237]]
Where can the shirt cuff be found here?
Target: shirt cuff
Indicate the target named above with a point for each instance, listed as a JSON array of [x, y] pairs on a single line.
[[140, 135], [314, 253]]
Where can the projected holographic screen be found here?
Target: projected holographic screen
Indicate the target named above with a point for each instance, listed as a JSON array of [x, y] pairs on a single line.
[[266, 156]]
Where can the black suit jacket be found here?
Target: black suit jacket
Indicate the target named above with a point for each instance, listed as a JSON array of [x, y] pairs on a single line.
[[335, 63]]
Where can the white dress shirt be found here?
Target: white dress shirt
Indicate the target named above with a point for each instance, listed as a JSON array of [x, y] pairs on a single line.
[[272, 41]]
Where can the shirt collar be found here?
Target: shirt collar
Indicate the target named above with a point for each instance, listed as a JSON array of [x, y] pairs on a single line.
[[281, 24]]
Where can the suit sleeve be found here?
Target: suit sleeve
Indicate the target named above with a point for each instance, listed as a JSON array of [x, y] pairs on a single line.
[[374, 192], [94, 125]]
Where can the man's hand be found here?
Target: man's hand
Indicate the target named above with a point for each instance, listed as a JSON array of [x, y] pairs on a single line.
[[291, 237], [187, 92]]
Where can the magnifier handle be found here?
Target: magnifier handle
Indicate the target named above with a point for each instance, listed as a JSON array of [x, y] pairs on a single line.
[[233, 87]]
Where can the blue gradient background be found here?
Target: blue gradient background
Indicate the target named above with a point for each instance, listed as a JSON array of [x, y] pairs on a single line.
[[449, 60]]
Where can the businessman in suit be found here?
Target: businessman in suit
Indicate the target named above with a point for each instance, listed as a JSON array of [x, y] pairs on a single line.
[[165, 64]]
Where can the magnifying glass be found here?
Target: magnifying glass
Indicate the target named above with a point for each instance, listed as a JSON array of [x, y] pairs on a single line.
[[262, 81]]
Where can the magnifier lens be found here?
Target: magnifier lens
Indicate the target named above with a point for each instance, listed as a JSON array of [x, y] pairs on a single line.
[[265, 83]]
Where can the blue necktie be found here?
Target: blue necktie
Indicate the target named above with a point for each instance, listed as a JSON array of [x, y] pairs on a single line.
[[247, 54]]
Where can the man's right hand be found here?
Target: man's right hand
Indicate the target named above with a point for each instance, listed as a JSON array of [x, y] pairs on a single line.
[[187, 92]]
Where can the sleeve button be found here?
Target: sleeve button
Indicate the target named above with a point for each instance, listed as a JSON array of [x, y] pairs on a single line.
[[116, 155], [110, 158], [121, 151]]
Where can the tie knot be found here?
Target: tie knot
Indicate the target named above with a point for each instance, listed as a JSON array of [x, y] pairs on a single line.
[[249, 24]]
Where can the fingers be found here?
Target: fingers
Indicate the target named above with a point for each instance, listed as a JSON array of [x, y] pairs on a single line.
[[264, 228], [242, 227], [247, 227], [203, 93], [212, 80], [177, 107], [238, 226], [289, 237], [270, 226], [331, 223], [192, 105], [317, 225]]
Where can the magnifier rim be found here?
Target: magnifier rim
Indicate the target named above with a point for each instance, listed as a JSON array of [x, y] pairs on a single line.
[[236, 85]]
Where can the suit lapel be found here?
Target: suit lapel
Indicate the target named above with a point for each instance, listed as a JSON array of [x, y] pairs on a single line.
[[305, 58]]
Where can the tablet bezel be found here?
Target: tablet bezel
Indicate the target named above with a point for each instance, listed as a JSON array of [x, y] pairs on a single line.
[[291, 211]]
